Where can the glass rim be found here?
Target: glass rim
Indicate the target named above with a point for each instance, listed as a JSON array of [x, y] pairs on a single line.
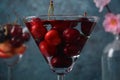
[[96, 18]]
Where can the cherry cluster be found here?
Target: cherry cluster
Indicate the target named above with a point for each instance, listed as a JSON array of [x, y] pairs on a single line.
[[60, 39], [12, 39]]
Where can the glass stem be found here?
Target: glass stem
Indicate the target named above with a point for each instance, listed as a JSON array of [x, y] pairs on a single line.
[[60, 77], [10, 76]]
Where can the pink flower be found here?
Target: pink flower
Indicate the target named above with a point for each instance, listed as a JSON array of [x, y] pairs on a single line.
[[112, 23], [101, 4]]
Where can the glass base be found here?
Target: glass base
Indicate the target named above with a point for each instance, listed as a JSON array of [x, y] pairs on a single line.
[[62, 70]]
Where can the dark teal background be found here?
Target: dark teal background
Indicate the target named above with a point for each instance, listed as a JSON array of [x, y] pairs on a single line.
[[33, 66]]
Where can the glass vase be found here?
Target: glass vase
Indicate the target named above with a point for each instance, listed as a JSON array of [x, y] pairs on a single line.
[[111, 60]]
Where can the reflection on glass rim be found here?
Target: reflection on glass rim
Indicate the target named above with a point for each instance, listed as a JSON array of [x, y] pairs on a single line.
[[95, 18]]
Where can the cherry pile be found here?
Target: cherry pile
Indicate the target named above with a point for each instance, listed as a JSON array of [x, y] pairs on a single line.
[[12, 39], [60, 39]]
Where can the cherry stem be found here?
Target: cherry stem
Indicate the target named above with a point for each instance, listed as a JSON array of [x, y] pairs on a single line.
[[50, 9], [108, 9], [16, 20], [85, 14], [18, 17], [8, 19]]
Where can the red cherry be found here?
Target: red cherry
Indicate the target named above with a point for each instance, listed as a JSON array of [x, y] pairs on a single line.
[[25, 36], [81, 41], [38, 32], [61, 25], [16, 42], [16, 31], [52, 37], [71, 50], [61, 62], [70, 35], [87, 26], [36, 21], [46, 49]]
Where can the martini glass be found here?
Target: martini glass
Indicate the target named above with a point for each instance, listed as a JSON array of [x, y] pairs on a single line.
[[61, 38], [12, 45], [11, 62]]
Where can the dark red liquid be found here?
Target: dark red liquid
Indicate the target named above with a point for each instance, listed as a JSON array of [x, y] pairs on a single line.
[[60, 39]]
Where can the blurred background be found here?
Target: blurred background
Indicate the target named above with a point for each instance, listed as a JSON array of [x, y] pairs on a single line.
[[33, 66]]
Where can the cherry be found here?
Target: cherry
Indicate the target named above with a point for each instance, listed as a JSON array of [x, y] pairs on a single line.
[[13, 40], [36, 28], [87, 26], [61, 25], [61, 62], [16, 30], [16, 42], [71, 50], [52, 37], [70, 35], [38, 32], [25, 36], [81, 41], [46, 49], [36, 21], [76, 46]]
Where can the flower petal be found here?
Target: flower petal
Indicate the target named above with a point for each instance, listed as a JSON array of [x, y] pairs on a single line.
[[101, 4]]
